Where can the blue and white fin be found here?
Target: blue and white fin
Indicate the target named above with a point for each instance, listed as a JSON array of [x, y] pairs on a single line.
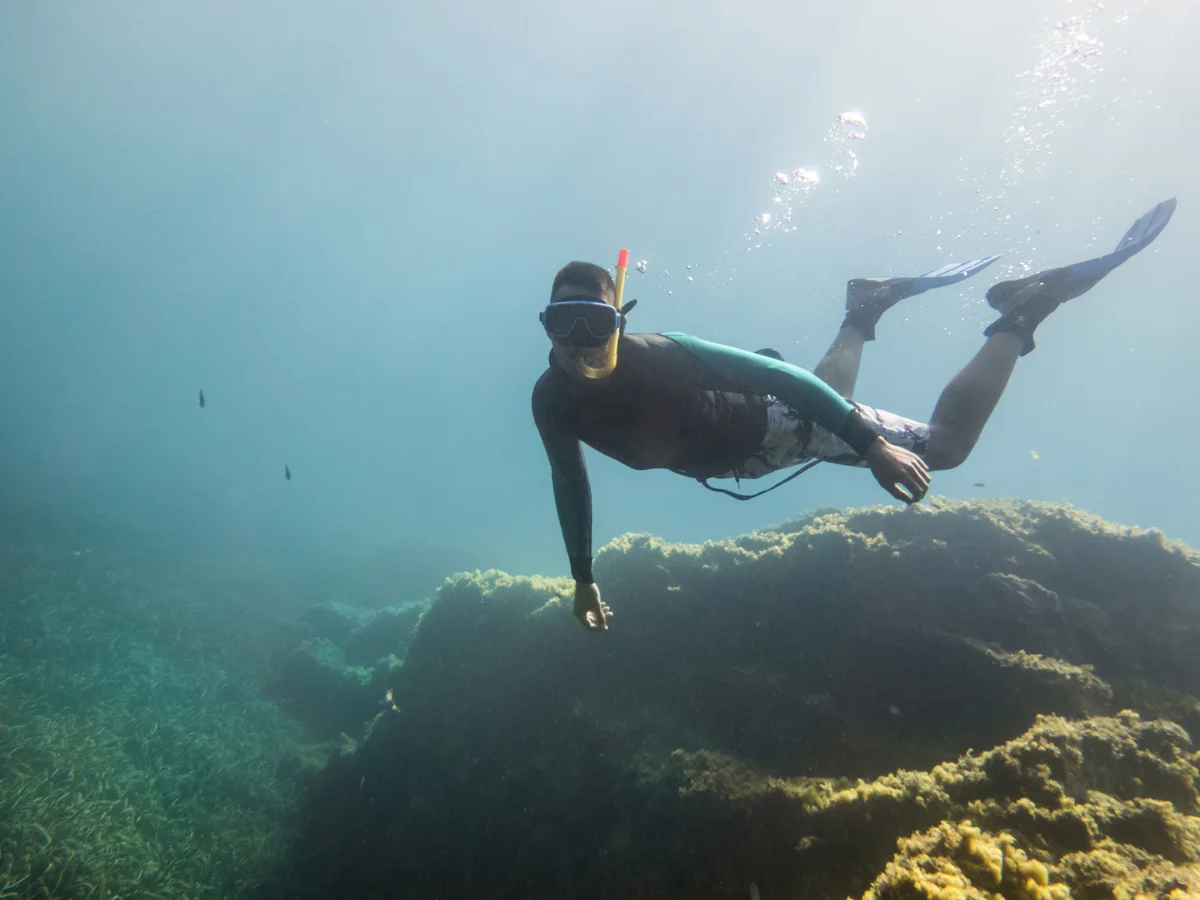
[[949, 274], [1068, 282]]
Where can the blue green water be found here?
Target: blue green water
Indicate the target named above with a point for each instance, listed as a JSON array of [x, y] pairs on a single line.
[[341, 221]]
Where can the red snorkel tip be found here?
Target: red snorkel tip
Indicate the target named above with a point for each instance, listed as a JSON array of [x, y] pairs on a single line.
[[623, 259]]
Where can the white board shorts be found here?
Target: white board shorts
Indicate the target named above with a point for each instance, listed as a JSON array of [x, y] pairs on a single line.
[[790, 440]]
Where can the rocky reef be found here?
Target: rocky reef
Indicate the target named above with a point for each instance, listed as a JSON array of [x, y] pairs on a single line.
[[334, 679], [962, 700]]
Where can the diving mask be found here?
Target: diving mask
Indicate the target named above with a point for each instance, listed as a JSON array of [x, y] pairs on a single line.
[[586, 331], [580, 321]]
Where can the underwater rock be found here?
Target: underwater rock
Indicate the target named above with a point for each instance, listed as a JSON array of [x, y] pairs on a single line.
[[323, 691], [334, 620], [337, 681], [960, 860], [808, 710], [1116, 789], [388, 632]]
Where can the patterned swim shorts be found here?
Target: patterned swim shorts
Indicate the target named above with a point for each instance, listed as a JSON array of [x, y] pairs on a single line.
[[790, 440]]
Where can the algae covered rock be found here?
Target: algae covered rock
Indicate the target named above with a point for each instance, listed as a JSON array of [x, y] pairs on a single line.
[[323, 691], [335, 682], [961, 862], [888, 701], [388, 632], [334, 620]]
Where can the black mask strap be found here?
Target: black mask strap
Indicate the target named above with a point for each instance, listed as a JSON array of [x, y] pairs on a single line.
[[624, 311]]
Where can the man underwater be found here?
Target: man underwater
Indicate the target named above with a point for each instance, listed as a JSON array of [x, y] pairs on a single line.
[[704, 410]]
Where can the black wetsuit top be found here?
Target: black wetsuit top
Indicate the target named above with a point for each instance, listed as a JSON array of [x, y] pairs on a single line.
[[673, 402]]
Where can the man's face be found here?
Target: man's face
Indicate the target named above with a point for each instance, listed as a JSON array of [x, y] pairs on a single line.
[[572, 358]]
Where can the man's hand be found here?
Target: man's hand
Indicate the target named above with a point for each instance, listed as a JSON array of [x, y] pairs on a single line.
[[589, 609], [892, 467]]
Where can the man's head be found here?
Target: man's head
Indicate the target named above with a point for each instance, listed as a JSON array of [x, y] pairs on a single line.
[[583, 320], [583, 279]]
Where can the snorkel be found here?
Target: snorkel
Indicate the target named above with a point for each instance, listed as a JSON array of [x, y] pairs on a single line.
[[622, 263], [579, 364]]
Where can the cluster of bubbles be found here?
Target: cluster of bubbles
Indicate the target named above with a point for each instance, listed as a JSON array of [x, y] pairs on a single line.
[[1070, 59], [641, 265], [791, 189], [789, 192]]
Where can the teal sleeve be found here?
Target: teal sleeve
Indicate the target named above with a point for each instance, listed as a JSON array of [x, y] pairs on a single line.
[[754, 373]]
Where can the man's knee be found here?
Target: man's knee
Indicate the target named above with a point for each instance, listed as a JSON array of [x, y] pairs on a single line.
[[941, 462], [945, 452]]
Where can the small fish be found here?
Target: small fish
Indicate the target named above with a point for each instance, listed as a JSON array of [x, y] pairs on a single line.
[[980, 484], [201, 400], [1034, 454], [287, 473]]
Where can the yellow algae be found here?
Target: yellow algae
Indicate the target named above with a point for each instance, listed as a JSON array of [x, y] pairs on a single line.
[[959, 859]]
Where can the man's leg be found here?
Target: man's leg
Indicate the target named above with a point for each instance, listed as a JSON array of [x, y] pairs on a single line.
[[838, 368], [969, 400], [866, 300]]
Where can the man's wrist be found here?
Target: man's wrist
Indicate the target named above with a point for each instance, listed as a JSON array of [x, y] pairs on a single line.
[[859, 432], [581, 569]]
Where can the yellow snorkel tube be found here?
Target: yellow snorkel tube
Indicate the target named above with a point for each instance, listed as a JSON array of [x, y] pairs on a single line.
[[579, 363]]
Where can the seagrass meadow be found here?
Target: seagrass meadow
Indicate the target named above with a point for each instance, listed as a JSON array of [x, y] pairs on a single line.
[[138, 755]]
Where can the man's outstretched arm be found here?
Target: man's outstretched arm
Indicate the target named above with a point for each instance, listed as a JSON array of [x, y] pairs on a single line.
[[573, 501], [893, 467], [572, 498], [800, 389]]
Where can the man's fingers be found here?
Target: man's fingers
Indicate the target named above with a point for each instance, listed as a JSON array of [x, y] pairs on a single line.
[[912, 486], [919, 470], [918, 479], [917, 487], [592, 620]]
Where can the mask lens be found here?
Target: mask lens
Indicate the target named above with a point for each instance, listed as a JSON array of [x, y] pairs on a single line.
[[581, 322]]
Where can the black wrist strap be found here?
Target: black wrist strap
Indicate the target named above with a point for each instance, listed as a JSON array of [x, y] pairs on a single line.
[[858, 432]]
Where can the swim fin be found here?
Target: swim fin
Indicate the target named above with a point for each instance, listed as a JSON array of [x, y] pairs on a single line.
[[949, 274], [1024, 303], [869, 298], [1067, 283]]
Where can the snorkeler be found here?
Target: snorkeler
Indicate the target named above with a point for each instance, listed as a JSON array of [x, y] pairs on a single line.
[[704, 410]]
